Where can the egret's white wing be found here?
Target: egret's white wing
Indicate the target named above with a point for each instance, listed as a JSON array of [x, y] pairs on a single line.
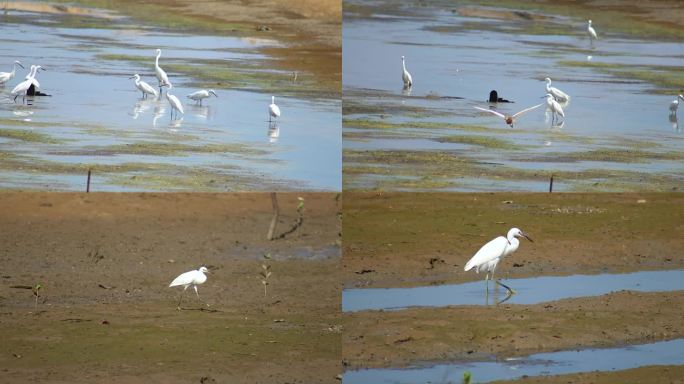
[[527, 110], [407, 78], [558, 94], [184, 279], [274, 110], [148, 88], [488, 252], [161, 76], [21, 87], [35, 83], [175, 102], [5, 77], [491, 111]]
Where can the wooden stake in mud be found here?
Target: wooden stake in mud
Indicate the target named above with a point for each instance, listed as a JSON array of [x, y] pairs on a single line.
[[88, 184], [274, 220], [551, 184]]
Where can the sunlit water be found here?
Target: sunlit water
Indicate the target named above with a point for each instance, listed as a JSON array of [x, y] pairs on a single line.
[[94, 105], [605, 112], [555, 363]]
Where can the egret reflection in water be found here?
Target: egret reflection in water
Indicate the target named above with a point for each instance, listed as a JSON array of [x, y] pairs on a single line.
[[273, 132]]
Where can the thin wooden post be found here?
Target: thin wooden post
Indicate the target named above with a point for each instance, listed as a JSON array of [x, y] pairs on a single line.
[[88, 183]]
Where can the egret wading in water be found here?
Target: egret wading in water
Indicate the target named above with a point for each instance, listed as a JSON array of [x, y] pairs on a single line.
[[160, 73], [557, 94], [273, 110], [144, 87], [7, 76], [201, 95], [675, 104], [187, 279], [405, 75], [22, 87], [592, 33], [176, 105], [555, 108], [508, 119], [488, 257]]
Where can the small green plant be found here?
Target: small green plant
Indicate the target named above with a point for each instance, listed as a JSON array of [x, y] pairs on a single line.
[[467, 376], [265, 271], [36, 293]]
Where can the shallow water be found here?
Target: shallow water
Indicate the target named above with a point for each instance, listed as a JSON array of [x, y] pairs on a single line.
[[94, 106], [528, 291], [468, 60], [555, 363]]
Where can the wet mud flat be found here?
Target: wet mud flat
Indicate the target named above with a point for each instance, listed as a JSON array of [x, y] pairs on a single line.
[[105, 313], [427, 238], [430, 138]]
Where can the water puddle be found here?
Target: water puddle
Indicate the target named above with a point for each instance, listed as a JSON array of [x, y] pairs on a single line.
[[612, 106], [96, 117], [554, 363], [528, 291]]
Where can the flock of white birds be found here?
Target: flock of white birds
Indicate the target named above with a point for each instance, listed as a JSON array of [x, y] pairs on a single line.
[[22, 88]]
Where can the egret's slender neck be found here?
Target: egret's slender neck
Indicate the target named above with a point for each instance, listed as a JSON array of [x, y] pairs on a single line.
[[32, 74], [272, 99], [156, 61], [403, 64]]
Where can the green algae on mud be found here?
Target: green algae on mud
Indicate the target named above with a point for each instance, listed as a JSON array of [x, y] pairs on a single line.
[[664, 78], [607, 155], [28, 136], [483, 141], [170, 149], [365, 123]]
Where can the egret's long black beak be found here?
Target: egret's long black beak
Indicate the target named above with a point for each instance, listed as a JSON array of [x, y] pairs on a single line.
[[19, 64], [527, 237]]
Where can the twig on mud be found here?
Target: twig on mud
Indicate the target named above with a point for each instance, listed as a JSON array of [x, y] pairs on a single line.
[[297, 223], [274, 220]]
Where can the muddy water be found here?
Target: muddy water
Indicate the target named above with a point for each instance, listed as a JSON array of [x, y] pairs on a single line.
[[555, 363], [528, 291], [95, 115], [452, 57]]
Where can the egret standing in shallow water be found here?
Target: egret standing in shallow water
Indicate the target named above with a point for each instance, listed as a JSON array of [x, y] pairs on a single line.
[[22, 87], [7, 76], [161, 75], [405, 75], [201, 95], [273, 110], [187, 279], [488, 257], [592, 33], [553, 106], [143, 86], [675, 104], [557, 93], [508, 119], [176, 105]]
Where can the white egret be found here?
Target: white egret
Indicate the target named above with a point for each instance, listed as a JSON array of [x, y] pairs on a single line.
[[143, 86], [406, 76], [509, 119], [557, 93], [187, 279], [22, 87], [553, 106], [175, 103], [201, 95], [675, 104], [488, 257], [161, 75], [592, 33], [7, 76], [273, 110]]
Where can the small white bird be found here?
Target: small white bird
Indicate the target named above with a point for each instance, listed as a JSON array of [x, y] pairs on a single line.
[[675, 104], [201, 95], [406, 76], [273, 110], [488, 257], [553, 106], [175, 103], [187, 279], [557, 93], [592, 33], [22, 87], [161, 75], [509, 119], [7, 76], [143, 86]]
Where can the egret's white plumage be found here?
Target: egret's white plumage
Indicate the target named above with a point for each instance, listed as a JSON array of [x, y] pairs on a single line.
[[405, 75], [201, 95], [160, 73], [144, 87], [675, 104], [187, 279], [557, 93], [509, 119], [22, 87], [592, 32], [553, 106], [488, 257], [175, 103], [273, 110], [7, 76]]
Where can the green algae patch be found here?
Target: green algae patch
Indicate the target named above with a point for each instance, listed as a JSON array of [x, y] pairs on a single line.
[[483, 141], [28, 136], [609, 155], [170, 149], [664, 78], [364, 123]]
